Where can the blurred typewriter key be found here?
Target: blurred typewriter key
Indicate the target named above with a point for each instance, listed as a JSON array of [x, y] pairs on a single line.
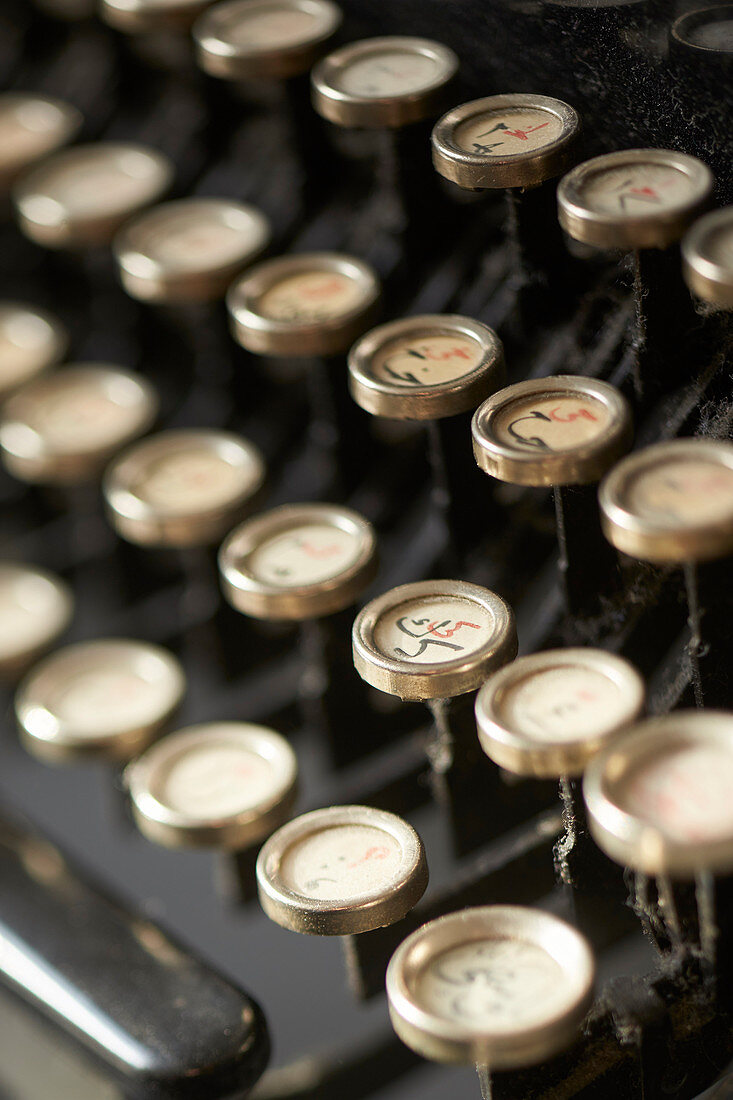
[[62, 428], [672, 504], [31, 340], [189, 250], [431, 641], [431, 368], [643, 200], [547, 715], [35, 608], [659, 802], [81, 196], [563, 432], [502, 987], [707, 257], [218, 785], [31, 127], [705, 35], [254, 39], [342, 871], [143, 16], [391, 85], [107, 698], [299, 563], [182, 488], [518, 143], [312, 306]]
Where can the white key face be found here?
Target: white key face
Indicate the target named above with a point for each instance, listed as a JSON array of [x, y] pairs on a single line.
[[311, 296], [194, 479], [686, 793], [567, 703], [392, 73], [32, 611], [342, 863], [307, 554], [554, 423], [201, 239], [216, 780], [637, 189], [426, 360], [508, 133], [113, 694], [432, 631], [715, 35], [686, 491], [30, 127], [82, 412], [28, 343], [277, 26], [102, 182], [495, 984]]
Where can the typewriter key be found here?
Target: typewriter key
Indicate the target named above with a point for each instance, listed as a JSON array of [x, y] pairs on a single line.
[[224, 785], [341, 871], [433, 640], [190, 250], [254, 39], [141, 16], [31, 340], [502, 987], [303, 305], [81, 196], [298, 562], [506, 141], [548, 714], [62, 428], [707, 257], [182, 488], [672, 503], [564, 432], [383, 83], [706, 34], [31, 127], [108, 698], [35, 608]]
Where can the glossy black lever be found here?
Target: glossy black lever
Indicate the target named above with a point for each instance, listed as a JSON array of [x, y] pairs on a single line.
[[160, 1023]]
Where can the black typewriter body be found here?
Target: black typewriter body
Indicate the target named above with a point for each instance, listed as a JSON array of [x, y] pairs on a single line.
[[653, 1034]]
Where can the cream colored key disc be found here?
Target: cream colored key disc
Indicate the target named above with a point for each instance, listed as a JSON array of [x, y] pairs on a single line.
[[659, 798], [82, 195], [671, 502], [499, 986], [298, 562], [552, 431], [189, 250], [141, 16], [182, 488], [548, 714], [35, 608], [261, 39], [426, 367], [31, 127], [383, 82], [506, 141], [31, 340], [108, 698], [341, 870], [63, 427], [215, 785], [433, 639], [307, 304], [707, 258], [634, 198]]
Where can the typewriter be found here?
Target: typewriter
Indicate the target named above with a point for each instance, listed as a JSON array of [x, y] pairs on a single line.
[[367, 495]]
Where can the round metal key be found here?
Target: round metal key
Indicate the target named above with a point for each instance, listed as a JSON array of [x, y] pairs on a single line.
[[341, 871], [502, 141], [707, 258]]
